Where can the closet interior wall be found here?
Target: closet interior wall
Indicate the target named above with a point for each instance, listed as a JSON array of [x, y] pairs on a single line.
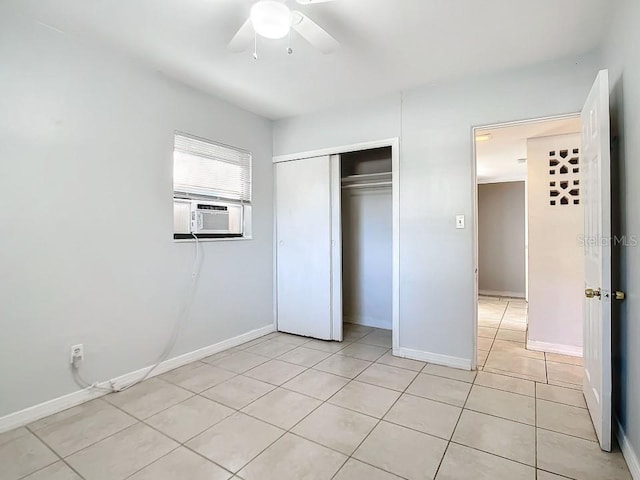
[[367, 235]]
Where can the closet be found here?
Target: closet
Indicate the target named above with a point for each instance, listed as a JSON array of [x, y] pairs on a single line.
[[367, 233], [334, 240]]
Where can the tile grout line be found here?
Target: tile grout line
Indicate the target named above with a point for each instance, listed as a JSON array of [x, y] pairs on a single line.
[[322, 402], [100, 399], [280, 428], [236, 375], [519, 462], [236, 411], [455, 427], [510, 373], [144, 420], [137, 422], [526, 396], [184, 444], [497, 330], [496, 335], [535, 398], [311, 412], [546, 370], [377, 424], [535, 418], [300, 421], [404, 392], [33, 432], [379, 420], [154, 461]]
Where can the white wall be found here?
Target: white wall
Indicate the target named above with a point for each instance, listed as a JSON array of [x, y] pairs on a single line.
[[622, 57], [367, 234], [375, 120], [556, 259], [501, 238], [436, 180], [86, 249]]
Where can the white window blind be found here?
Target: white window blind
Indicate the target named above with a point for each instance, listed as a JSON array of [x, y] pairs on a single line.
[[201, 167]]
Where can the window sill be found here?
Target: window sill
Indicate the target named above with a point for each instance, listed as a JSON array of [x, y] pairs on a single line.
[[210, 239]]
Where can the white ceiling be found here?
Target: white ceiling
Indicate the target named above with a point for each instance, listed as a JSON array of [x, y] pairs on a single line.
[[387, 45], [497, 158]]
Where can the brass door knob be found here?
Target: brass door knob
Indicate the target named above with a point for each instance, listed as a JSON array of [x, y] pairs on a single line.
[[619, 295], [591, 293]]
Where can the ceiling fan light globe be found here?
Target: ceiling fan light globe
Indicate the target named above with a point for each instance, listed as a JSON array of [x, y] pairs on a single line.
[[271, 19]]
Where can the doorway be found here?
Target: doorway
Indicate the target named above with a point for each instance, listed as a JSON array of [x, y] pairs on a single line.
[[529, 262]]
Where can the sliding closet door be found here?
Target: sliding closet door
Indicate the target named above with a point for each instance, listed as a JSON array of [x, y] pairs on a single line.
[[303, 236]]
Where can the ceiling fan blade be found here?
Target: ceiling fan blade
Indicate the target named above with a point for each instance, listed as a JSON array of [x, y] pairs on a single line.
[[243, 38], [309, 2], [314, 34]]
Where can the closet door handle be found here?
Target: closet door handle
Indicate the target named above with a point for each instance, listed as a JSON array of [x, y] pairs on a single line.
[[281, 243]]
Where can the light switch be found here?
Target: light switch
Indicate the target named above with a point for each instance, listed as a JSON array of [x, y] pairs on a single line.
[[459, 221]]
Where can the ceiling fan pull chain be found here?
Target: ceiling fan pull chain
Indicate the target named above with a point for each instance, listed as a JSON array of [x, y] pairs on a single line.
[[289, 49], [255, 46]]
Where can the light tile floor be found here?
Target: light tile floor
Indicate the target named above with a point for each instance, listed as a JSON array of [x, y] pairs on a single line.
[[289, 408]]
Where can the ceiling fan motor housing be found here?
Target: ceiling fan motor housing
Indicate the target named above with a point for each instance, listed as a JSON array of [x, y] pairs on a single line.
[[271, 19]]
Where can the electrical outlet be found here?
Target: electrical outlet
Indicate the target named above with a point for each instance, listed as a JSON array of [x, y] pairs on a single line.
[[77, 353]]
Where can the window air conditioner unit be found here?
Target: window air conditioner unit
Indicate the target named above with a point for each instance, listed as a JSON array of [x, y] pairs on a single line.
[[216, 218]]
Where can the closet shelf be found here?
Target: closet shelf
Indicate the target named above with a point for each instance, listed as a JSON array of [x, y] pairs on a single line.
[[365, 178], [368, 185]]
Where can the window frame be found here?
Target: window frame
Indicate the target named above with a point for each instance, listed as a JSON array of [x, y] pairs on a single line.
[[246, 206]]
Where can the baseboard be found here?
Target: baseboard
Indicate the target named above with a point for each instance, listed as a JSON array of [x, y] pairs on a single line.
[[627, 450], [570, 350], [368, 322], [31, 414], [498, 293], [190, 357], [436, 358]]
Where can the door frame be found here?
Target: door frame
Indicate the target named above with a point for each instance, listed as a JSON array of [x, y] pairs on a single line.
[[474, 178], [394, 143]]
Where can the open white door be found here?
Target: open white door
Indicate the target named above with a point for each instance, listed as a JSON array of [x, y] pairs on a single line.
[[596, 161]]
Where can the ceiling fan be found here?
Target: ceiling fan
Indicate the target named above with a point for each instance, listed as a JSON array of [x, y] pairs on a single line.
[[273, 19]]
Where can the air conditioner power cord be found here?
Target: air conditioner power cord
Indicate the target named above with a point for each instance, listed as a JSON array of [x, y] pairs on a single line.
[[183, 317]]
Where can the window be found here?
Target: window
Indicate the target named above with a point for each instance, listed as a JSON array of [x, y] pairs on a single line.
[[211, 189]]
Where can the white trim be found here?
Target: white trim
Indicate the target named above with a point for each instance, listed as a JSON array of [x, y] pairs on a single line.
[[36, 412], [502, 179], [320, 152], [537, 346], [563, 116], [336, 248], [526, 239], [474, 248], [31, 414], [193, 356], [501, 293], [394, 143], [395, 199], [274, 264], [435, 358], [369, 322], [629, 455], [206, 240]]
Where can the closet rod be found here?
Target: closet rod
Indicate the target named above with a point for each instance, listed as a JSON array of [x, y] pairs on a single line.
[[370, 184]]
